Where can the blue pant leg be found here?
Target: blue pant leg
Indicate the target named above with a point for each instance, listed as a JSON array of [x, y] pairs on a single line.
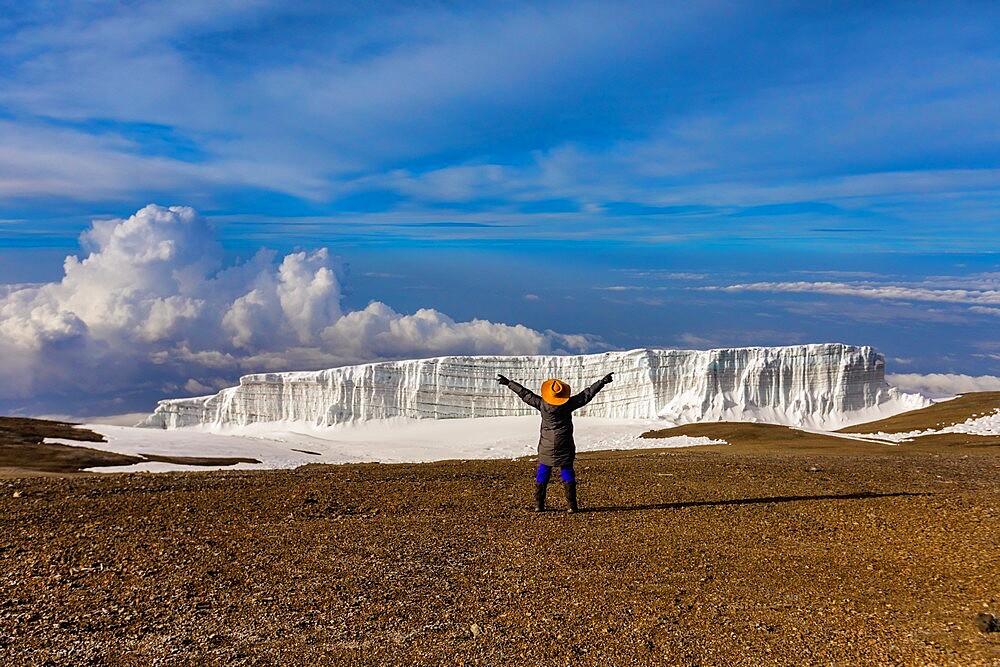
[[567, 474], [544, 471]]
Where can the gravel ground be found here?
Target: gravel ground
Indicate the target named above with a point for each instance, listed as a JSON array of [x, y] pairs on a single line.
[[721, 557]]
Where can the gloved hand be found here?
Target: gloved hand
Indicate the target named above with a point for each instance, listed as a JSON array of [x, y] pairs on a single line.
[[607, 378], [502, 380]]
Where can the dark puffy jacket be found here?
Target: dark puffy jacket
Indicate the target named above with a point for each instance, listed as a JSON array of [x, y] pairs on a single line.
[[555, 442]]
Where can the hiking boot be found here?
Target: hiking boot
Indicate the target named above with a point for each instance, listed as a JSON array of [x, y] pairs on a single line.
[[570, 489], [540, 496]]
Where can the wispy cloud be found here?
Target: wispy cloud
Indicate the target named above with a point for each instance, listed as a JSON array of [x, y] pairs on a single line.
[[666, 274], [719, 338], [688, 339], [868, 291], [684, 113]]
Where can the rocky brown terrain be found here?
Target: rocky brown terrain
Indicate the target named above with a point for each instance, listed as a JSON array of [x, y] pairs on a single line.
[[726, 555]]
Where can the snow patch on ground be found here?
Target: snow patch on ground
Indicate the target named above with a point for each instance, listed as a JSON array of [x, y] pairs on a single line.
[[859, 437], [988, 424]]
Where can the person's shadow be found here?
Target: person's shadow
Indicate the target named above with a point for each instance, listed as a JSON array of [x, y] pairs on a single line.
[[863, 495]]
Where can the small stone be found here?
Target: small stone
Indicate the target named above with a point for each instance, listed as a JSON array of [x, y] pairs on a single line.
[[987, 622], [814, 469], [475, 630], [17, 494]]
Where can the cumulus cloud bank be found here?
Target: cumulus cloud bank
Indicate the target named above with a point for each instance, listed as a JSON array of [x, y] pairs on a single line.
[[937, 385], [152, 310]]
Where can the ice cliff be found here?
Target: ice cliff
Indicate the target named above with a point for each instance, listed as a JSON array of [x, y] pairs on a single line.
[[823, 386]]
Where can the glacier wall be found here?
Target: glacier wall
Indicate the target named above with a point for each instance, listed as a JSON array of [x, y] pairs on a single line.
[[823, 386]]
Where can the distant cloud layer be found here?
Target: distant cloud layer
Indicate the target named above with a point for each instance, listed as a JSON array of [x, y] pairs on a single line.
[[870, 291], [943, 384], [153, 311]]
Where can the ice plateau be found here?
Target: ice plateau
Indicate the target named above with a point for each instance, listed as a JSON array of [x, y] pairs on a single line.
[[826, 386]]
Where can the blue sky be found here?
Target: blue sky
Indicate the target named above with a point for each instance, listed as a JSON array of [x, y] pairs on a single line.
[[664, 174]]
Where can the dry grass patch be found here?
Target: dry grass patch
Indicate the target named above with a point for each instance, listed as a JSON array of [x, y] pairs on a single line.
[[23, 449]]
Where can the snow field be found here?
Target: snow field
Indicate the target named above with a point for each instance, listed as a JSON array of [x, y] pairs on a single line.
[[400, 440]]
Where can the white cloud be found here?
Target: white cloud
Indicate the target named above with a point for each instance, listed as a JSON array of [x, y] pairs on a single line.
[[943, 384], [153, 308], [195, 387], [696, 342], [674, 275], [842, 274], [867, 291]]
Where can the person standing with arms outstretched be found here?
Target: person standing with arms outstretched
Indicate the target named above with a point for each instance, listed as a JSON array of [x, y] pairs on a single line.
[[555, 443]]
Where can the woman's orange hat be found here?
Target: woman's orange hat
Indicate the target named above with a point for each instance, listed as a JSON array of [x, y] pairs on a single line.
[[555, 392]]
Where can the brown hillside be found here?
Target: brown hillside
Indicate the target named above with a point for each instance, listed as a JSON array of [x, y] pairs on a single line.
[[775, 438], [749, 438], [939, 415], [767, 438]]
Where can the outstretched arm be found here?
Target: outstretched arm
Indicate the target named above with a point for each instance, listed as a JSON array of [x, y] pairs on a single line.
[[525, 394], [587, 395]]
